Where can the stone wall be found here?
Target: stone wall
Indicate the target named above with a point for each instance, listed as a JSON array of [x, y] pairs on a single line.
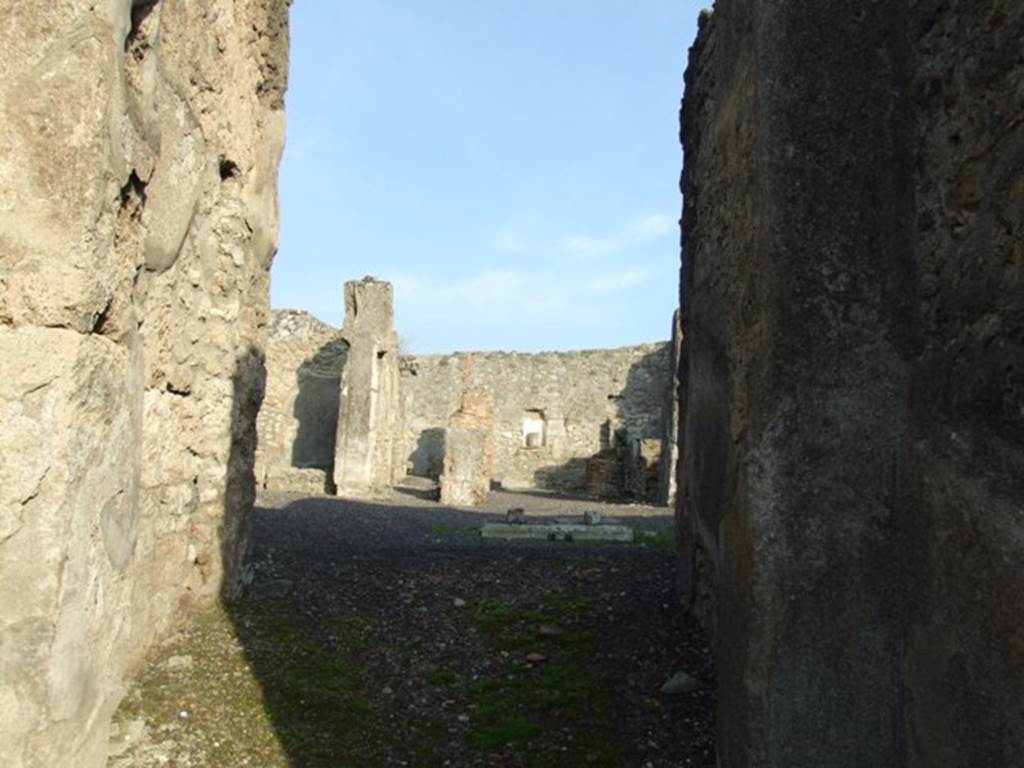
[[298, 420], [299, 416], [138, 161], [853, 289], [579, 402], [669, 465]]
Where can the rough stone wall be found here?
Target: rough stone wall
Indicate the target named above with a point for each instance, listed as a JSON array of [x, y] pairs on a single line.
[[299, 416], [585, 399], [138, 158], [627, 387], [850, 501]]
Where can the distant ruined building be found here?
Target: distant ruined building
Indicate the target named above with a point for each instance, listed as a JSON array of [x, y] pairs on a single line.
[[596, 422]]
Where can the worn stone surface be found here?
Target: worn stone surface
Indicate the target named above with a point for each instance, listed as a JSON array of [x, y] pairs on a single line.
[[962, 463], [138, 159], [557, 532], [850, 502], [369, 405], [468, 450], [464, 481]]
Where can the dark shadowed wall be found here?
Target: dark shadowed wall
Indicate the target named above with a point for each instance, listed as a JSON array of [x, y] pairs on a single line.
[[851, 496]]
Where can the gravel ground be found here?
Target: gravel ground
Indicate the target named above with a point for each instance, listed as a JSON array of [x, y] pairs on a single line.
[[387, 632]]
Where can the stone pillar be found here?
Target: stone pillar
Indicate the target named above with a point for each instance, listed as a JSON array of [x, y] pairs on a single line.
[[364, 456], [466, 480]]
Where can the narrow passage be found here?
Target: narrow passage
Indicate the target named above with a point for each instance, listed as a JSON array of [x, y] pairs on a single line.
[[389, 633]]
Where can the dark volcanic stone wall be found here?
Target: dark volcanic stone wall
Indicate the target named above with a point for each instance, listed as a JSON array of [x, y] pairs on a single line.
[[851, 501], [963, 459]]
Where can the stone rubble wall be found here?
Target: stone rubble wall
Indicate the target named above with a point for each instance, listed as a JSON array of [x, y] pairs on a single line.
[[585, 397], [138, 162], [962, 458], [853, 421], [669, 465]]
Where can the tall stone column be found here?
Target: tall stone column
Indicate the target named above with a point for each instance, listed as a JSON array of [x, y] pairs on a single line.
[[364, 455]]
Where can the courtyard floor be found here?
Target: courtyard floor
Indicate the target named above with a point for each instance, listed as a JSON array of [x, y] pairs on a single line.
[[387, 632]]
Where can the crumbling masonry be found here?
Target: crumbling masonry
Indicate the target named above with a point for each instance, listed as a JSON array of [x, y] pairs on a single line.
[[368, 415]]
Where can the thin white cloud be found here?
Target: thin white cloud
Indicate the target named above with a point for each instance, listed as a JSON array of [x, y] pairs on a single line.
[[509, 241], [613, 281], [569, 284], [542, 298], [653, 227], [640, 231]]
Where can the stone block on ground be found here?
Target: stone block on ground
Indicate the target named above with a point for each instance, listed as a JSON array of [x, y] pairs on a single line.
[[557, 532], [307, 480]]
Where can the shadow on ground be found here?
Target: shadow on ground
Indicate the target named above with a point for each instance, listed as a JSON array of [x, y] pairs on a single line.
[[390, 633]]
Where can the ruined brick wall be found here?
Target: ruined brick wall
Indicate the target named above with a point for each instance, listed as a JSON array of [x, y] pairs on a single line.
[[298, 419], [669, 465], [853, 422], [469, 450], [138, 163], [580, 400]]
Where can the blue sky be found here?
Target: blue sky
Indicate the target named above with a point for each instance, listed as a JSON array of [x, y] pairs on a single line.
[[512, 166]]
